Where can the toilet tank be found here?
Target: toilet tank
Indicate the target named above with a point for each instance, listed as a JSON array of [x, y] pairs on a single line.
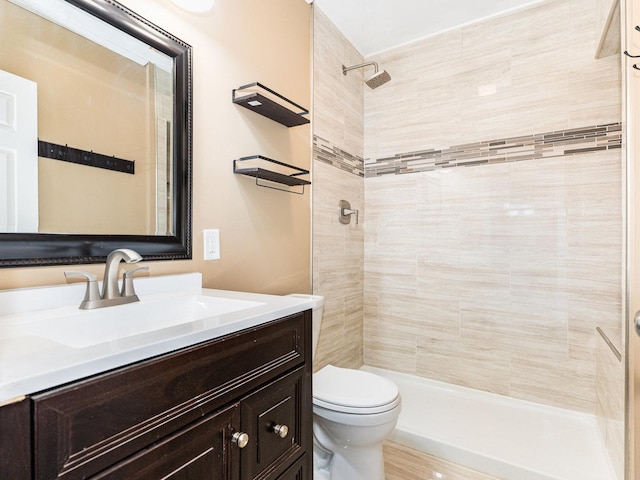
[[316, 317]]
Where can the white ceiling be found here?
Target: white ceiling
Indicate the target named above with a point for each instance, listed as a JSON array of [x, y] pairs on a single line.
[[373, 26]]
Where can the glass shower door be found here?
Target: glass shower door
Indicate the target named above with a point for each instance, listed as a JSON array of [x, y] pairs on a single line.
[[630, 17]]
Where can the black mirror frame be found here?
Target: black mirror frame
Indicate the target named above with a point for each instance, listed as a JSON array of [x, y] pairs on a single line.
[[36, 249]]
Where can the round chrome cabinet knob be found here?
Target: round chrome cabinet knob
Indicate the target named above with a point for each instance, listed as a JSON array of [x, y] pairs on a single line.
[[281, 430], [241, 439]]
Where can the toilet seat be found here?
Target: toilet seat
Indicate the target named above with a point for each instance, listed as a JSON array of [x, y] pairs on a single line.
[[353, 391]]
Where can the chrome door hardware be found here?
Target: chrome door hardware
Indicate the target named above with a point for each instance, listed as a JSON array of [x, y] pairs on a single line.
[[281, 430], [241, 439], [345, 213]]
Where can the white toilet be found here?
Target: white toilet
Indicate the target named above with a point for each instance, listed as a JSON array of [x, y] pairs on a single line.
[[353, 412]]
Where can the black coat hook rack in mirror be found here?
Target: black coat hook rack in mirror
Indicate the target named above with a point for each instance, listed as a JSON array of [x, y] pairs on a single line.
[[84, 157]]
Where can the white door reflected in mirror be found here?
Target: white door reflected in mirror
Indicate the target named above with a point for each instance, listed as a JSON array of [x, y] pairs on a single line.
[[18, 154]]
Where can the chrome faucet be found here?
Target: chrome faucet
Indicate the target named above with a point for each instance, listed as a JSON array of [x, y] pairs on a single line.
[[110, 294], [110, 280]]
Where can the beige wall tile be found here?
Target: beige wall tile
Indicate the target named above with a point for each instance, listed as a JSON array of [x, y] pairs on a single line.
[[496, 277], [501, 271], [466, 362], [493, 277], [403, 463], [338, 99], [532, 71], [338, 250], [388, 348], [569, 384]]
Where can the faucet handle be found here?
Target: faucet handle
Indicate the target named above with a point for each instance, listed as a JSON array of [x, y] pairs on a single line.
[[91, 294], [127, 281], [89, 277]]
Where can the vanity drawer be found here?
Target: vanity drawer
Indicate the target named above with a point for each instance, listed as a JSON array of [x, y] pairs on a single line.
[[87, 426], [279, 405]]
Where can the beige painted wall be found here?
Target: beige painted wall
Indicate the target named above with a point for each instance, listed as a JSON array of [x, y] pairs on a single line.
[[265, 234], [77, 198]]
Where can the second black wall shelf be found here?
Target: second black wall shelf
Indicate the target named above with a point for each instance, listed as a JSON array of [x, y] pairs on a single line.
[[267, 169]]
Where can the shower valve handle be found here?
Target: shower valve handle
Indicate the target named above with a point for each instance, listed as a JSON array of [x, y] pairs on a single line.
[[347, 211]]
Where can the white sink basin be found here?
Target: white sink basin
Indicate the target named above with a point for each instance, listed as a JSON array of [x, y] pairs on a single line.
[[46, 341], [84, 328]]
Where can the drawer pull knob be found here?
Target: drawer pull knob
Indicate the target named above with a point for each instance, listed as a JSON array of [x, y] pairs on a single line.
[[281, 430], [241, 439]]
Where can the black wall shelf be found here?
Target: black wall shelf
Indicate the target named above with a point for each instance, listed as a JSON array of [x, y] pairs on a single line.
[[258, 102], [263, 168]]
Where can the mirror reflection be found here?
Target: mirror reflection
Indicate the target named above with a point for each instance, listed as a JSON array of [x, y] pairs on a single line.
[[86, 125]]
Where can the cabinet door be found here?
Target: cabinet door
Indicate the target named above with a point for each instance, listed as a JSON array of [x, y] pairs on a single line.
[[298, 471], [276, 406], [201, 451], [15, 441]]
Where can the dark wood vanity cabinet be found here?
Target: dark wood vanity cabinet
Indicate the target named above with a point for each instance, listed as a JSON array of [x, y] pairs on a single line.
[[185, 415]]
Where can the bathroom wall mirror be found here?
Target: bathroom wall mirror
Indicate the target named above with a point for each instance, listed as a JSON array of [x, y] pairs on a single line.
[[95, 134]]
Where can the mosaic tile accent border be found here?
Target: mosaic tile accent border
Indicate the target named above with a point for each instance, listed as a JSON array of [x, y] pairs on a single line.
[[514, 149], [327, 153]]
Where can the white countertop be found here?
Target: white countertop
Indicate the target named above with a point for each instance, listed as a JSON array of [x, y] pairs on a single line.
[[30, 363]]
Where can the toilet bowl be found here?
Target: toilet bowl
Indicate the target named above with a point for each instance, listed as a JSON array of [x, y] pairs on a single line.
[[353, 412]]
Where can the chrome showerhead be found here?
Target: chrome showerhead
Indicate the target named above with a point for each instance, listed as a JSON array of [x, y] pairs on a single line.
[[377, 79], [374, 81]]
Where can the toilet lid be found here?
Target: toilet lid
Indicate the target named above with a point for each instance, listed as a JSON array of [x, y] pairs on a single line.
[[352, 388]]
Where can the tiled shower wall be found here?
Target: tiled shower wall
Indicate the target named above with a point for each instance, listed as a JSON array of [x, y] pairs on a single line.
[[338, 250], [493, 231]]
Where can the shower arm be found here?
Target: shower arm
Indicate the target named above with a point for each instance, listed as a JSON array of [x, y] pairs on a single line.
[[360, 65]]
